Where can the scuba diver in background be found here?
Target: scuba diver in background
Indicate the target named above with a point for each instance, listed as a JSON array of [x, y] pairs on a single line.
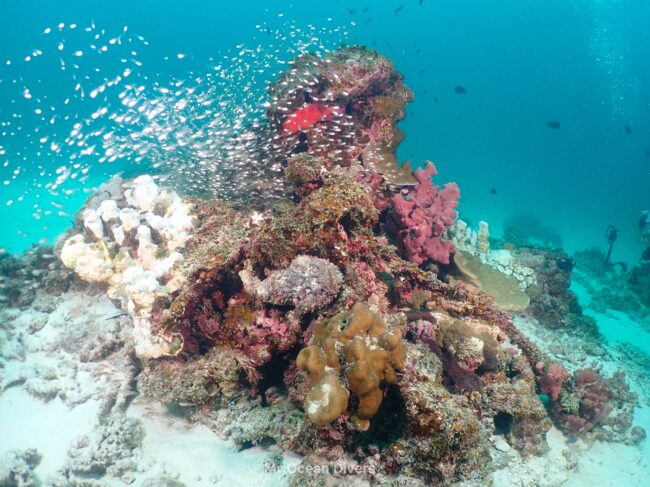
[[612, 234]]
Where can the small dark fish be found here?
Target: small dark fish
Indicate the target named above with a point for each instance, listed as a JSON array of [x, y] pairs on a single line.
[[424, 91], [365, 9], [422, 71], [628, 130], [493, 191], [388, 44], [369, 20], [418, 51], [460, 90], [567, 264], [435, 99], [420, 2], [553, 124], [121, 313], [398, 9], [352, 11]]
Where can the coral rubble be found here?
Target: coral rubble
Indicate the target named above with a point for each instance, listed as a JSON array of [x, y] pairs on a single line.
[[17, 468]]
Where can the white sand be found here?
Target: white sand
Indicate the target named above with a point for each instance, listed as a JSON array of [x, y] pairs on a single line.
[[193, 454], [172, 447], [615, 326], [50, 427]]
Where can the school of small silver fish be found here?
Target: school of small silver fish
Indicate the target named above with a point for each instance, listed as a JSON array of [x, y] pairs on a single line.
[[203, 131]]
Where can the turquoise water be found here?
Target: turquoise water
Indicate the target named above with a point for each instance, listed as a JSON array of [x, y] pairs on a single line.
[[581, 63]]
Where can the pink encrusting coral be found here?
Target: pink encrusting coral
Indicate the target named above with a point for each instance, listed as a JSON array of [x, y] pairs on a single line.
[[423, 214], [590, 400], [551, 378]]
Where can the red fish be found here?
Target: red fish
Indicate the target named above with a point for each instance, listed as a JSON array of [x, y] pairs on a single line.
[[306, 117]]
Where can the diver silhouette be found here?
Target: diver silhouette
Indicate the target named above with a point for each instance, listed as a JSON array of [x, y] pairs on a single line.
[[612, 234], [645, 256]]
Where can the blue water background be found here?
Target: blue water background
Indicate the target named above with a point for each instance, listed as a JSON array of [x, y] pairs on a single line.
[[523, 63]]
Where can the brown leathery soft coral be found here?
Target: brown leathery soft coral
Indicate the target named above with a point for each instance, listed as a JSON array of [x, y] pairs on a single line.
[[360, 348]]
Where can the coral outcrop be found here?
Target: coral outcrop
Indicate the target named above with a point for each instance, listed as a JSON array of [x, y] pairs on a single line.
[[129, 236], [551, 300], [343, 107], [371, 354], [330, 321], [591, 405]]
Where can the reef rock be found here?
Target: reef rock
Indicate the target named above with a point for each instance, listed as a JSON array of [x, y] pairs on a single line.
[[128, 236], [17, 468], [309, 283]]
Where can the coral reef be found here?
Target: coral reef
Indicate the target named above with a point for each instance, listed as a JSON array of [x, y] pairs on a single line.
[[551, 377], [212, 377], [371, 353], [515, 408], [251, 423], [52, 349], [35, 271], [527, 230], [504, 289], [589, 401], [477, 243], [347, 111], [551, 300], [129, 235], [422, 215], [329, 321], [612, 289], [446, 439]]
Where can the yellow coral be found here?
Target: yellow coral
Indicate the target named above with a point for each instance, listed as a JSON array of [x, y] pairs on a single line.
[[365, 349], [327, 400]]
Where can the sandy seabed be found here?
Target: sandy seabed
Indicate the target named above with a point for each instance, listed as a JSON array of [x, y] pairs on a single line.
[[61, 374]]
